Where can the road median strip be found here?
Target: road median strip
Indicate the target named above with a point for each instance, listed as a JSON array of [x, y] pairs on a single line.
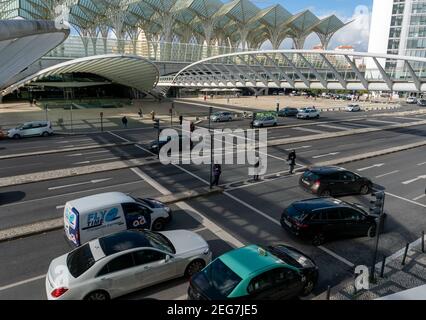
[[75, 171], [58, 223], [63, 150]]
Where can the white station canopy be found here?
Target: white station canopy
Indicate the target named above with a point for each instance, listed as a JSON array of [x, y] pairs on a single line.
[[24, 42], [132, 71]]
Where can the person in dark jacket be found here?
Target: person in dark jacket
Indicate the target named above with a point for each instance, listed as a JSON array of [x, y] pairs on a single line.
[[256, 170], [292, 160], [124, 121], [217, 171]]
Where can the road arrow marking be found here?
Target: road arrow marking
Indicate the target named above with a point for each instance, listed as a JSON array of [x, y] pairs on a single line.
[[371, 167], [414, 180], [79, 184], [326, 155]]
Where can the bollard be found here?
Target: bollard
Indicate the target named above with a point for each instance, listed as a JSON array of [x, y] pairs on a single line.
[[405, 254], [328, 292], [423, 242], [382, 270]]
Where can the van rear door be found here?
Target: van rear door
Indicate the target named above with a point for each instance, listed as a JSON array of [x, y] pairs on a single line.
[[71, 224]]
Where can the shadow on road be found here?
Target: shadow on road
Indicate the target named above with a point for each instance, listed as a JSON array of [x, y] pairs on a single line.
[[11, 197]]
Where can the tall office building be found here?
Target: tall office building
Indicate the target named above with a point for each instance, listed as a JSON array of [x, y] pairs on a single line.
[[398, 27]]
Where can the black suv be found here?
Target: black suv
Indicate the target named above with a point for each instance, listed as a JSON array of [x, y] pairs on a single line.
[[334, 181], [288, 112], [320, 219]]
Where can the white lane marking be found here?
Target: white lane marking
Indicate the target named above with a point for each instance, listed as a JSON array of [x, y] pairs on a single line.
[[359, 125], [117, 136], [421, 164], [333, 254], [74, 141], [387, 174], [100, 160], [70, 193], [96, 152], [75, 155], [308, 130], [213, 227], [60, 207], [20, 283], [377, 165], [200, 229], [298, 148], [236, 199], [419, 197], [325, 155], [406, 118], [408, 200], [79, 184], [414, 180], [382, 121], [334, 127]]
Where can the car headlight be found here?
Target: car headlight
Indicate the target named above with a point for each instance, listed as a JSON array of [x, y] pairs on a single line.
[[154, 146], [207, 251], [167, 209]]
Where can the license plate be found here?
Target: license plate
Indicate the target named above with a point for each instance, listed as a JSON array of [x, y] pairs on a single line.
[[287, 223]]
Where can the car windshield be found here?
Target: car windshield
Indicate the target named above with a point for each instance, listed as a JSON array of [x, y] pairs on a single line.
[[159, 241], [19, 126], [310, 176], [297, 212], [152, 203], [217, 280], [80, 260]]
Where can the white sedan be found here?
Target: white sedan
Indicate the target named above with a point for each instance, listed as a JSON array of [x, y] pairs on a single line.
[[124, 262], [353, 108], [308, 113]]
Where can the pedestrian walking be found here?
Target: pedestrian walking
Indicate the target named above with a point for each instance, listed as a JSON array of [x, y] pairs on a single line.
[[192, 127], [217, 171], [292, 160], [124, 121], [152, 115], [180, 120], [256, 170], [140, 113]]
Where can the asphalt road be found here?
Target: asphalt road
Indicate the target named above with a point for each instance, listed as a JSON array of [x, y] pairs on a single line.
[[248, 211]]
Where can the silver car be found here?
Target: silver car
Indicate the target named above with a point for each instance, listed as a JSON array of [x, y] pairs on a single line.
[[221, 116], [31, 129], [268, 121], [124, 262]]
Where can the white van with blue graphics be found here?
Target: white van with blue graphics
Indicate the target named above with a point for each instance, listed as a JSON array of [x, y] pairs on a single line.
[[95, 216]]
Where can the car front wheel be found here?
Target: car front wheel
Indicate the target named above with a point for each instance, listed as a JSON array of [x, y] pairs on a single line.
[[98, 296], [45, 134], [364, 190], [16, 137], [308, 288], [318, 239], [158, 224], [372, 231], [194, 267]]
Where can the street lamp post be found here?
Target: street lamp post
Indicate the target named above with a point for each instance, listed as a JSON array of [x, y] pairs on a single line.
[[211, 148]]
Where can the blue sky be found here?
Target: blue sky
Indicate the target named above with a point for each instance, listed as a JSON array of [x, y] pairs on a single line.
[[320, 7]]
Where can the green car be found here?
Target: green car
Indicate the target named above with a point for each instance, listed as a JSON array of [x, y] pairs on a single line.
[[256, 272]]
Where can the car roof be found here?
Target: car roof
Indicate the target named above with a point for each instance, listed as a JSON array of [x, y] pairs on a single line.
[[326, 170], [310, 205], [98, 200], [248, 260], [122, 241]]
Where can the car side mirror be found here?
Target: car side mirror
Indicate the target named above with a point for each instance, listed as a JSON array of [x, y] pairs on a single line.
[[168, 258]]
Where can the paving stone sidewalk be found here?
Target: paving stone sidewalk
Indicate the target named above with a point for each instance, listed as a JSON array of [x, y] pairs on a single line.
[[396, 278]]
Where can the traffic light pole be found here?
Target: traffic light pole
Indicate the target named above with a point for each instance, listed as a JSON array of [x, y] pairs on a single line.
[[376, 245], [211, 148]]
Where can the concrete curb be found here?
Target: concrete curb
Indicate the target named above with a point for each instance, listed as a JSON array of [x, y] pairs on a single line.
[[321, 136], [74, 172], [41, 153], [58, 223]]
